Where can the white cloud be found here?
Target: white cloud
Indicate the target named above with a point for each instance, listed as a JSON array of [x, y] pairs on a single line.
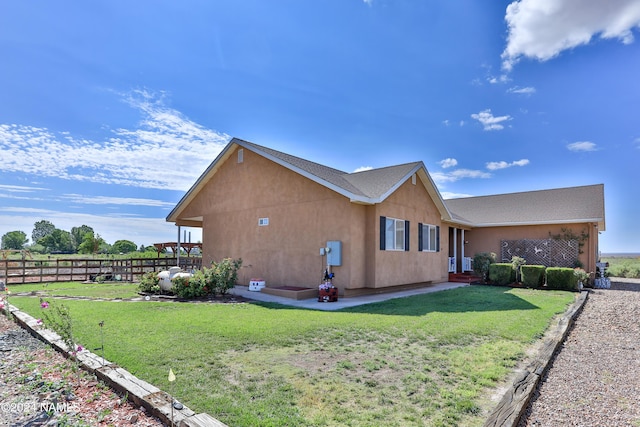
[[448, 195], [20, 188], [522, 90], [489, 122], [503, 165], [457, 174], [446, 123], [106, 200], [448, 163], [166, 151], [362, 169], [582, 146], [542, 29]]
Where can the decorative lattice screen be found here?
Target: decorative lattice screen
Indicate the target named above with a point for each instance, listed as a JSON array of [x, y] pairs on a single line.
[[547, 252]]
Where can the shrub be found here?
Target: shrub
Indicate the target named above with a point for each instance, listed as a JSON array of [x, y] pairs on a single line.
[[516, 263], [225, 273], [188, 287], [481, 263], [562, 278], [501, 273], [149, 283], [581, 276], [533, 275]]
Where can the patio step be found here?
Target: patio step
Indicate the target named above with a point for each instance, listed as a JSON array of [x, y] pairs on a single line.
[[467, 277]]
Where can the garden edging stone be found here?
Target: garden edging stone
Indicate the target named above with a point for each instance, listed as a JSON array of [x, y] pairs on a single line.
[[140, 392]]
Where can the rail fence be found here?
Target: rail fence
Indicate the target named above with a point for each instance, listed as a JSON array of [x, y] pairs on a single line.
[[75, 269]]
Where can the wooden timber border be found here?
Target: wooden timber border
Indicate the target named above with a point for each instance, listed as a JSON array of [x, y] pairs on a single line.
[[78, 269], [516, 400], [157, 402]]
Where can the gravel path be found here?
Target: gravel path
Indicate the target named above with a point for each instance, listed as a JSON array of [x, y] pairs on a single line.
[[594, 379]]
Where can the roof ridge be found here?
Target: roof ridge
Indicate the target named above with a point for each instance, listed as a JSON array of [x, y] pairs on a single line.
[[384, 167], [283, 154], [527, 192]]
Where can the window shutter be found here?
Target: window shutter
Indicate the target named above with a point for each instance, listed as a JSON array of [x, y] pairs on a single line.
[[420, 246], [406, 235], [437, 238], [383, 236]]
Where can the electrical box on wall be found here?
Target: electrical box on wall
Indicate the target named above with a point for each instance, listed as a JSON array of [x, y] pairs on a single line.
[[334, 255]]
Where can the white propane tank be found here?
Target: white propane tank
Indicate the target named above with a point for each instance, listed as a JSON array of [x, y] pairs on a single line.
[[165, 277]]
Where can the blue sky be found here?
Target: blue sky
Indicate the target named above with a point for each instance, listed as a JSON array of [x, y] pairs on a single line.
[[110, 110]]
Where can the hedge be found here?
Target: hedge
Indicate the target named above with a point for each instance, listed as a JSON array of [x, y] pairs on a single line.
[[501, 273], [561, 278], [533, 275]]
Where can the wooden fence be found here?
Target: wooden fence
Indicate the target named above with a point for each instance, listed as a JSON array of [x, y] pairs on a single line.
[[75, 269]]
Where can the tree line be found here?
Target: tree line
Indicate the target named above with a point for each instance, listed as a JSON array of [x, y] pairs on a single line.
[[47, 238]]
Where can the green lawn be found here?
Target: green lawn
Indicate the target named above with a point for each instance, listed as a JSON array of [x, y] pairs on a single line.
[[423, 360], [112, 290]]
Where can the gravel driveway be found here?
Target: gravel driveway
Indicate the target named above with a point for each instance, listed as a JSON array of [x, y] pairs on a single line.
[[594, 379]]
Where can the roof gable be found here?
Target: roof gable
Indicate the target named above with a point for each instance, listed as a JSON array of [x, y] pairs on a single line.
[[366, 187]]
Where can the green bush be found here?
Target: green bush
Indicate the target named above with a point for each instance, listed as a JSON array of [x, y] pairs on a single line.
[[188, 287], [481, 263], [533, 275], [149, 283], [581, 276], [216, 280], [225, 274], [562, 278], [516, 263], [501, 273]]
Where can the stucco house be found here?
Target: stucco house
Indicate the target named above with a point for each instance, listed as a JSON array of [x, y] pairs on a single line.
[[388, 228]]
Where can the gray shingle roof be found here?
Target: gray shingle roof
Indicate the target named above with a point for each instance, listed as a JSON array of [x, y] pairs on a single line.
[[561, 205], [374, 184]]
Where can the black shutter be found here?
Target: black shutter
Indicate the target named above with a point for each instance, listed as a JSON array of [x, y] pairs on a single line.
[[383, 236], [406, 235], [420, 246], [437, 238]]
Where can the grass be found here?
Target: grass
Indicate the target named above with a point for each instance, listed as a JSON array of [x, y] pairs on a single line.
[[623, 266], [425, 360], [118, 290]]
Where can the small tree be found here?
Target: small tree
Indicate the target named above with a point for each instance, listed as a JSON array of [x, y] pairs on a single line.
[[41, 229], [226, 274], [90, 243], [14, 240], [57, 241], [123, 247], [516, 263], [481, 263]]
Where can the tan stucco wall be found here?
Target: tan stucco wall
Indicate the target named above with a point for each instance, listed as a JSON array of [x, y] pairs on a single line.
[[487, 239], [303, 216], [409, 202]]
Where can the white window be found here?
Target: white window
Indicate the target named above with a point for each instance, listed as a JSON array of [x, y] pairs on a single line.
[[429, 238], [394, 235], [263, 222], [240, 155]]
